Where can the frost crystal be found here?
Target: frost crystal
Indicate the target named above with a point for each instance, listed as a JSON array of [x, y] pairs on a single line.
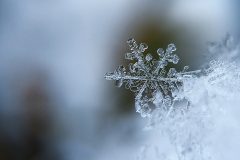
[[186, 106], [150, 79]]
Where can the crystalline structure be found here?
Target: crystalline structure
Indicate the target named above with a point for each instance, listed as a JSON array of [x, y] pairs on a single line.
[[154, 84], [188, 107]]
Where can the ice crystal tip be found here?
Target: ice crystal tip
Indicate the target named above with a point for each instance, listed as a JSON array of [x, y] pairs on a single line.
[[150, 78], [160, 52]]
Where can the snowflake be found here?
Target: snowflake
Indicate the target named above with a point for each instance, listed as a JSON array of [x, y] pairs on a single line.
[[150, 79]]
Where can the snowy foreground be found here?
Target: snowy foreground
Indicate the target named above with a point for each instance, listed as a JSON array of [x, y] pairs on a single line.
[[193, 115]]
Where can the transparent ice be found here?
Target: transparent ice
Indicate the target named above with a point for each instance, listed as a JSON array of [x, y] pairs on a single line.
[[150, 79], [186, 107]]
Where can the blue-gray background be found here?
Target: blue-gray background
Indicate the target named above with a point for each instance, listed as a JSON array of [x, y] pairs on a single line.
[[54, 101]]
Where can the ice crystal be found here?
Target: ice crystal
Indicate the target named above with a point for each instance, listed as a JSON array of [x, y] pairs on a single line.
[[150, 79], [184, 106]]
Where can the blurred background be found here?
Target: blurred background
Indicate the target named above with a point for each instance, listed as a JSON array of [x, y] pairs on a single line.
[[54, 100]]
